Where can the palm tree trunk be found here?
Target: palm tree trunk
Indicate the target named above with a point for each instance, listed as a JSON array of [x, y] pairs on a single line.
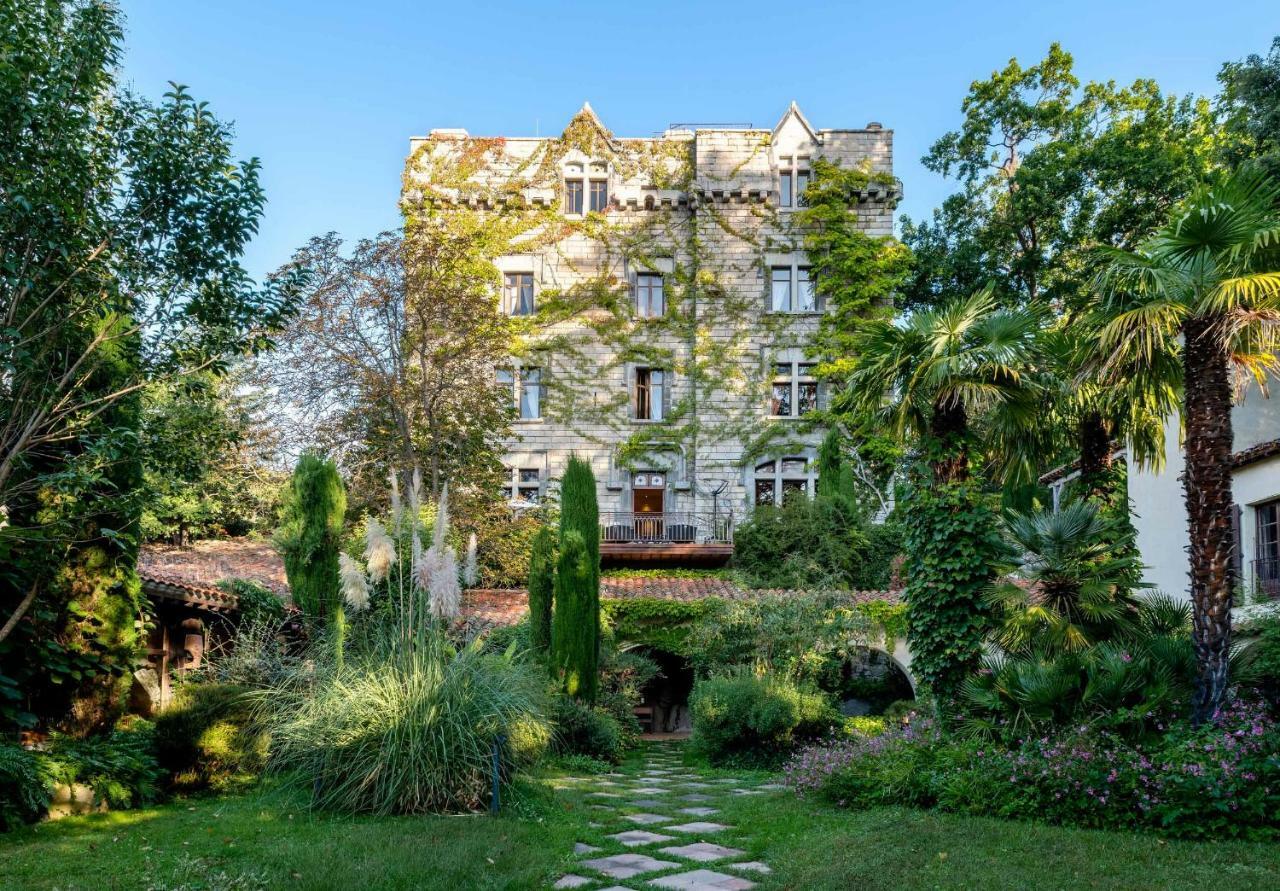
[[948, 428], [1095, 457], [1207, 487]]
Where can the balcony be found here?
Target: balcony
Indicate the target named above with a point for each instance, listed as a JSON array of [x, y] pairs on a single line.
[[1266, 578], [674, 538]]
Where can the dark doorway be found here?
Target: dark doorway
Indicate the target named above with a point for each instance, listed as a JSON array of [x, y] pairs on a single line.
[[665, 699], [647, 501]]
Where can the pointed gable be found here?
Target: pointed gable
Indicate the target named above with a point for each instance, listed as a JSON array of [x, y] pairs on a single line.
[[794, 127], [587, 134]]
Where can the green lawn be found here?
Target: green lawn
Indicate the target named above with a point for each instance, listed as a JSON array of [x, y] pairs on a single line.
[[264, 840]]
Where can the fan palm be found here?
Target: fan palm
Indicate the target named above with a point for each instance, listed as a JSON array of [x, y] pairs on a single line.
[[1204, 294], [1068, 589], [928, 376]]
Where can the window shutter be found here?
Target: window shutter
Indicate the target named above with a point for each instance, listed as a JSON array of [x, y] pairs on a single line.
[[629, 383], [1237, 547]]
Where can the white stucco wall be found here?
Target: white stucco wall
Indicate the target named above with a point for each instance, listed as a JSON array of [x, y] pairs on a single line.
[[1160, 515]]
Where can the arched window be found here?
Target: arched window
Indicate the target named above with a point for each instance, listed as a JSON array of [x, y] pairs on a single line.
[[781, 478]]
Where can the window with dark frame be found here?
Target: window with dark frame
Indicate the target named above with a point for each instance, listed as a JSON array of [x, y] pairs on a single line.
[[599, 195], [650, 384], [1267, 550], [784, 190], [806, 296], [523, 484], [794, 390], [793, 179], [802, 183], [779, 479], [651, 301], [573, 196], [530, 394], [518, 294]]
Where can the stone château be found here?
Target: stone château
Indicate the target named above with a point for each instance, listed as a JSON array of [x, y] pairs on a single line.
[[665, 303]]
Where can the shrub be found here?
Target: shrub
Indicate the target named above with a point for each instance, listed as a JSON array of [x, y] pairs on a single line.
[[120, 766], [26, 787], [804, 544], [582, 729], [1219, 780], [208, 737], [742, 718], [259, 605], [803, 637], [405, 724], [1262, 659], [585, 764]]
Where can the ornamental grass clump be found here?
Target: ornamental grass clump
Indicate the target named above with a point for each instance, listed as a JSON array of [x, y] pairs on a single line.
[[405, 729]]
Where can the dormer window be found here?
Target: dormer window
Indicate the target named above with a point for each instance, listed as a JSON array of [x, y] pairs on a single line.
[[793, 179], [599, 195], [573, 196]]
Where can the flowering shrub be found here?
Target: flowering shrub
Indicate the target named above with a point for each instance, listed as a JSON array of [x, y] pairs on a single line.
[[745, 719], [1216, 781]]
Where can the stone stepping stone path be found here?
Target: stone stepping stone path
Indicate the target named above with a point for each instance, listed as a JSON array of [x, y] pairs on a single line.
[[664, 836]]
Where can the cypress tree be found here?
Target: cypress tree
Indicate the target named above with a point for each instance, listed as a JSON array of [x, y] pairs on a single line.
[[310, 535], [580, 512], [541, 590], [575, 628]]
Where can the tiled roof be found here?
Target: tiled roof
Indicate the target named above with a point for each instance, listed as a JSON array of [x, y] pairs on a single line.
[[205, 563], [1259, 452], [177, 590]]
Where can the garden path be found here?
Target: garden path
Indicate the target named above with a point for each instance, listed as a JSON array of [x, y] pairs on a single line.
[[656, 825]]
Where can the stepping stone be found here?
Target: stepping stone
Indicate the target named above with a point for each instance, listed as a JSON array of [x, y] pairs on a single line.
[[703, 852], [634, 837], [600, 807], [650, 802], [572, 881], [646, 819], [699, 811], [702, 880], [605, 783], [643, 790], [746, 792], [603, 795], [698, 785], [584, 848], [695, 796], [751, 865], [772, 786], [616, 888], [624, 866], [698, 826]]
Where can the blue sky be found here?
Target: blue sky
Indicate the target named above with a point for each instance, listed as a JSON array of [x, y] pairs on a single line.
[[327, 94]]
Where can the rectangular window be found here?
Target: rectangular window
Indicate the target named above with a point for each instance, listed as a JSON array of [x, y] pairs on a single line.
[[806, 297], [599, 195], [794, 390], [780, 289], [802, 183], [784, 186], [649, 392], [651, 302], [530, 394], [1268, 516], [764, 491], [530, 484], [573, 196], [518, 294]]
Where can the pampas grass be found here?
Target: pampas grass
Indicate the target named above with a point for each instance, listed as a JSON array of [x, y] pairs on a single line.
[[355, 587], [405, 730], [379, 552]]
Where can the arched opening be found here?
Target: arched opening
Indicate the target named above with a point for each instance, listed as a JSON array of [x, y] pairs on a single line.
[[870, 681], [664, 705]]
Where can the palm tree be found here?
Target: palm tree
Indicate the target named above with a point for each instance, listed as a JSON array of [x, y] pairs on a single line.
[[928, 377], [1065, 589], [1203, 292]]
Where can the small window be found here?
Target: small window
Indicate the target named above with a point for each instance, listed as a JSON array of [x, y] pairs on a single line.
[[780, 289], [530, 394], [651, 301], [573, 196], [518, 294], [530, 484], [784, 186], [599, 195], [649, 392], [792, 181], [802, 183]]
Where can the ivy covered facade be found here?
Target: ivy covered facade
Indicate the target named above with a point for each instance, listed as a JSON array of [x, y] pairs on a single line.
[[664, 304]]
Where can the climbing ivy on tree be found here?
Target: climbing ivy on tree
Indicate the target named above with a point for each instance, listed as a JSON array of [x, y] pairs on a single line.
[[952, 546]]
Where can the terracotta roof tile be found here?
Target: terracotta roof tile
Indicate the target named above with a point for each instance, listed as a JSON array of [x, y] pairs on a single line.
[[1259, 452], [205, 563]]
